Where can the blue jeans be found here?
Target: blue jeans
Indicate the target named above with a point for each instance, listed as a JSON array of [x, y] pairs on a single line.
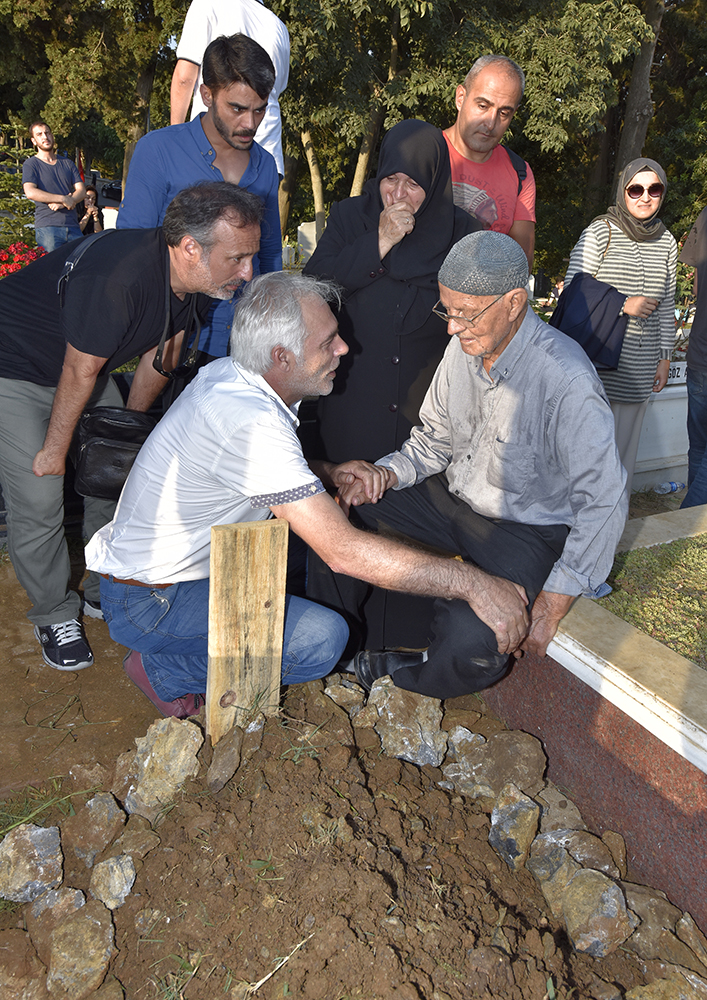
[[169, 628], [697, 433], [51, 237]]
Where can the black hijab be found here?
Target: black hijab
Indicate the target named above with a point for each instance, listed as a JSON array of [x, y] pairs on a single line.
[[419, 150], [639, 232]]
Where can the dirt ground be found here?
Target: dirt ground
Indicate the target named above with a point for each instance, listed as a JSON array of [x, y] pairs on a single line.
[[383, 883], [375, 882]]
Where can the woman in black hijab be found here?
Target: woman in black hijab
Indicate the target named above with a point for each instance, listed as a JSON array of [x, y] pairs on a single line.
[[385, 247], [630, 248]]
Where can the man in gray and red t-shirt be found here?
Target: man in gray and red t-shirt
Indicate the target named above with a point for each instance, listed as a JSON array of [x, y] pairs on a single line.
[[54, 184], [490, 181]]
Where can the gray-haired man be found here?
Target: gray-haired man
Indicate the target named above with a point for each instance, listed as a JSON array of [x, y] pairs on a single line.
[[514, 467]]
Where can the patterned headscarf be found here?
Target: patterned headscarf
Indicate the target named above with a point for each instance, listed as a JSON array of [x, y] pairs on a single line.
[[485, 263]]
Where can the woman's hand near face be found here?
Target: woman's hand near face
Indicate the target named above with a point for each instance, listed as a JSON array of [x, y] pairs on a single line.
[[640, 306], [395, 222]]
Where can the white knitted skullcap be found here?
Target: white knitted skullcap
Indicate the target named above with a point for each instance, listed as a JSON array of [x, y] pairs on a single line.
[[485, 263]]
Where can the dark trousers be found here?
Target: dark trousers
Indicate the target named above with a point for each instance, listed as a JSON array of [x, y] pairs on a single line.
[[463, 654]]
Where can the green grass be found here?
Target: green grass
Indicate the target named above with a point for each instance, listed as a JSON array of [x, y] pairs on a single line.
[[663, 591]]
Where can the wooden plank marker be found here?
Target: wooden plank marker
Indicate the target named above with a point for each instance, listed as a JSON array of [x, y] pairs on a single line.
[[246, 621]]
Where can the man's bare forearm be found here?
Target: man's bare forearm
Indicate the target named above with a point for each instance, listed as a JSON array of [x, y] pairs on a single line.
[[35, 193], [78, 378], [393, 565], [183, 81], [499, 603], [147, 384]]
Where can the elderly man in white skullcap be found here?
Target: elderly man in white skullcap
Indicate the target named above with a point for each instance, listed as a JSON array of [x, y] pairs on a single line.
[[514, 467]]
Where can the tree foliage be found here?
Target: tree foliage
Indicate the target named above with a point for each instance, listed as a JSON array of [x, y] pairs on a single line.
[[99, 71]]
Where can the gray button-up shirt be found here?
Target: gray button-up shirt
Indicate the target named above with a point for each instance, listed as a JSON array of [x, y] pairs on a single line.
[[532, 441]]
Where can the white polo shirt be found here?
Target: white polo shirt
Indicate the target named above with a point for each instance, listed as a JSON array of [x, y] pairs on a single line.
[[225, 452], [207, 20]]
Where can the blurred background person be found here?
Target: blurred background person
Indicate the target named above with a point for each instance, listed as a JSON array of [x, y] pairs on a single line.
[[54, 184], [89, 214]]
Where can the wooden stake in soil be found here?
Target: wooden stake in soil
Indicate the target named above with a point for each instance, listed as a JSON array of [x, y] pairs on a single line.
[[246, 621]]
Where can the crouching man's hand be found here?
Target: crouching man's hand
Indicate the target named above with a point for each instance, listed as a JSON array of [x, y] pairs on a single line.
[[360, 482], [503, 606], [47, 463], [548, 611]]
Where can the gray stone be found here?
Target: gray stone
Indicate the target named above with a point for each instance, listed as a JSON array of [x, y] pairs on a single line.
[[586, 849], [595, 914], [552, 868], [112, 880], [462, 740], [125, 774], [558, 811], [31, 862], [345, 693], [88, 776], [688, 931], [655, 937], [514, 823], [137, 840], [47, 912], [82, 948], [226, 760], [93, 828], [601, 990], [677, 987], [111, 990], [650, 941], [166, 757], [252, 738], [651, 905], [617, 845], [408, 724], [146, 920], [506, 757], [22, 975]]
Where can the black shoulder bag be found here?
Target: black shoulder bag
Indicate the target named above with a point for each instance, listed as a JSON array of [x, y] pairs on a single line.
[[109, 436]]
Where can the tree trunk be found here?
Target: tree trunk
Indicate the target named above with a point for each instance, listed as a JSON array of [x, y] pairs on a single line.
[[317, 184], [138, 128], [597, 193], [639, 106], [286, 191], [377, 115], [366, 151]]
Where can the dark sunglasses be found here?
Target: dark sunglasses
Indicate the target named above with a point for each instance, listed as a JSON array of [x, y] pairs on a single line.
[[636, 190]]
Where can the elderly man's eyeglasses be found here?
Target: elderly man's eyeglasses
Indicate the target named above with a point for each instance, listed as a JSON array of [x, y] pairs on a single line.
[[635, 191], [464, 320]]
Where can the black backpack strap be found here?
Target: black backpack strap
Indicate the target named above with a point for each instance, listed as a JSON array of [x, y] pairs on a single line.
[[73, 259], [519, 165]]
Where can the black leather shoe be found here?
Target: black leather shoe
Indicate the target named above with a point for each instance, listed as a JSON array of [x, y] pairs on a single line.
[[369, 665]]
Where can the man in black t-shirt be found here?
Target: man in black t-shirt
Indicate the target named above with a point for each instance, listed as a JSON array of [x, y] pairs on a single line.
[[56, 362]]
